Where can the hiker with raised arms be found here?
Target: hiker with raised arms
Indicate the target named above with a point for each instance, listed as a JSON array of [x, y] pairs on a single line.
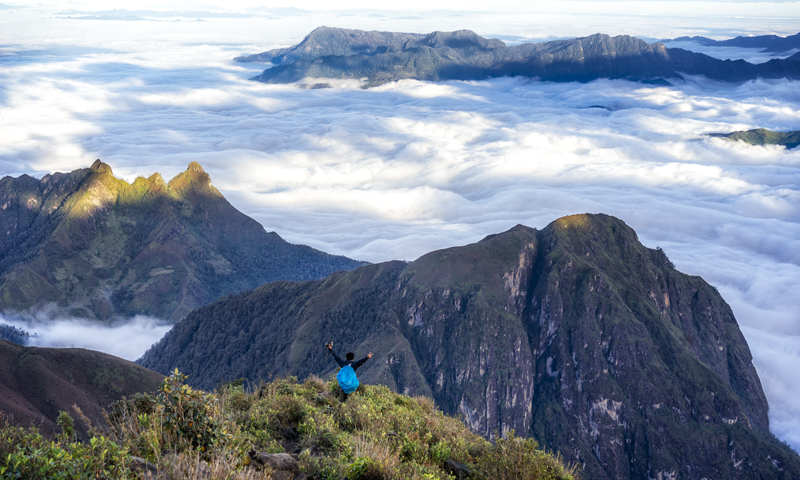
[[348, 382]]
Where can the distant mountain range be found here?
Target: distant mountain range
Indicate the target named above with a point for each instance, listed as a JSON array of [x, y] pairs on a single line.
[[762, 136], [90, 245], [576, 334], [37, 383], [463, 55], [768, 43]]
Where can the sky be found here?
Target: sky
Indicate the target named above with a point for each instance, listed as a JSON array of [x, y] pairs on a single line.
[[396, 171]]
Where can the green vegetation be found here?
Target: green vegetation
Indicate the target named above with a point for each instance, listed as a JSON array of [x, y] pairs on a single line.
[[180, 432], [762, 136]]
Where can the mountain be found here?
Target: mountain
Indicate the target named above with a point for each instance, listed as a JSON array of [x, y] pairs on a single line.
[[769, 43], [576, 335], [90, 245], [326, 41], [37, 383], [762, 136], [463, 55]]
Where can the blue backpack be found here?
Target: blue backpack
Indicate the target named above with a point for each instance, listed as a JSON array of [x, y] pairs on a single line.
[[347, 379]]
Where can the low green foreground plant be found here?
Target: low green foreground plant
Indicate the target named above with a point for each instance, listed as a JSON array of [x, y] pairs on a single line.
[[186, 433]]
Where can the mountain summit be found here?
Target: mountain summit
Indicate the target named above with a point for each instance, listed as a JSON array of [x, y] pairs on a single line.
[[576, 335], [90, 245], [463, 55]]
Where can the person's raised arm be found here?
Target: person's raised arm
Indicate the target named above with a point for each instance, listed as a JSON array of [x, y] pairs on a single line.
[[361, 362], [341, 362]]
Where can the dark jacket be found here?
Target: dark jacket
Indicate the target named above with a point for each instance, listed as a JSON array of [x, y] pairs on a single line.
[[342, 363]]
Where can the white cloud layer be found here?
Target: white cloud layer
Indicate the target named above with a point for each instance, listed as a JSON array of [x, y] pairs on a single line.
[[405, 168], [127, 340]]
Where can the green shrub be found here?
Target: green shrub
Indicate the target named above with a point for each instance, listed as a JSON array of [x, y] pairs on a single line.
[[26, 454], [67, 426], [375, 435], [514, 458], [188, 415]]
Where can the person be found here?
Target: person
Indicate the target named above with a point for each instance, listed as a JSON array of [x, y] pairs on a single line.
[[344, 373]]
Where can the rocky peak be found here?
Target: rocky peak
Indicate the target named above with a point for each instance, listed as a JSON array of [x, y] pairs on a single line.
[[156, 179], [195, 167], [194, 179], [101, 167], [460, 39]]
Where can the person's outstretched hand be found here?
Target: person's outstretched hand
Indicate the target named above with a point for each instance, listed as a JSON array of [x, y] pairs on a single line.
[[369, 355]]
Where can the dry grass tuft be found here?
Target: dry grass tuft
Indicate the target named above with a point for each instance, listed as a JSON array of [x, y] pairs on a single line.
[[192, 467]]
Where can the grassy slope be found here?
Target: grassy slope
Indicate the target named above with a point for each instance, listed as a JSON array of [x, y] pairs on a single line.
[[186, 433], [37, 383]]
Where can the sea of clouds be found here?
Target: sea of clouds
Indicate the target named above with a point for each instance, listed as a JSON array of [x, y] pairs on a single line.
[[399, 170]]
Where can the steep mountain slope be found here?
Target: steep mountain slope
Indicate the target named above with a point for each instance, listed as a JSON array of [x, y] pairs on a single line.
[[769, 43], [762, 136], [93, 246], [37, 383], [576, 334], [464, 55]]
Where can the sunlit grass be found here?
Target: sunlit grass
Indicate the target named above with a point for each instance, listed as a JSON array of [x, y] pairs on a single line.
[[181, 432]]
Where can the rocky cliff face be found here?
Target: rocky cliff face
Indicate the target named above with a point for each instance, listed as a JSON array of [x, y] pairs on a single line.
[[90, 245], [576, 334], [463, 55]]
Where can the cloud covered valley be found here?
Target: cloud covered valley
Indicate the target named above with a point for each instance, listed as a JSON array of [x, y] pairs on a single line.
[[396, 171]]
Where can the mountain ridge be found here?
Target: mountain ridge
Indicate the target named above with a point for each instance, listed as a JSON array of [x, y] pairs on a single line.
[[38, 383], [762, 136], [576, 335], [90, 245], [463, 55], [769, 43]]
